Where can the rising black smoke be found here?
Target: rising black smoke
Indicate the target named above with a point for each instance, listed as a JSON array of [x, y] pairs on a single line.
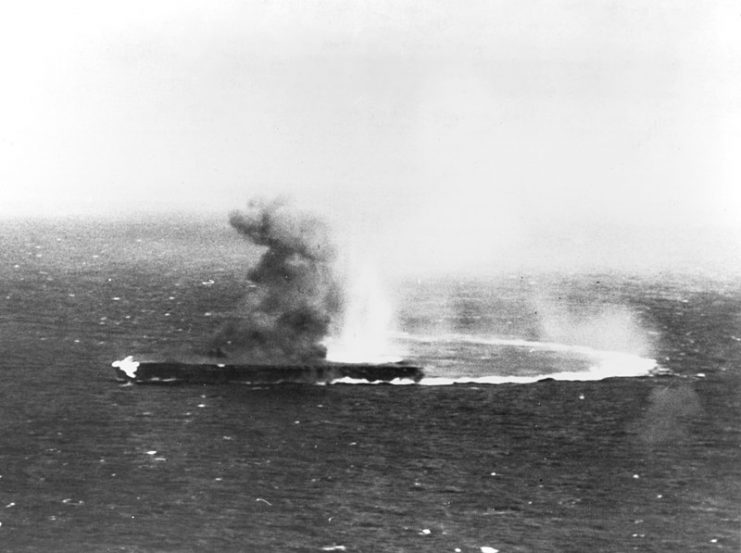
[[287, 313]]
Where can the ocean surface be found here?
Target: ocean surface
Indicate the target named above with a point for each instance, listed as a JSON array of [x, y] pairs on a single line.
[[564, 413]]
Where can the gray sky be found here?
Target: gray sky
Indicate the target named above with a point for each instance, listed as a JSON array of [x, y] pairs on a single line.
[[440, 133]]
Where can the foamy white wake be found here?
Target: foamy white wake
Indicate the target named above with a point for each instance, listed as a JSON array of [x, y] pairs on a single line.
[[606, 363]]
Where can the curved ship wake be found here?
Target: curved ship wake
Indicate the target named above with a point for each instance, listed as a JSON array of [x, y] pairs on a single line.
[[599, 364]]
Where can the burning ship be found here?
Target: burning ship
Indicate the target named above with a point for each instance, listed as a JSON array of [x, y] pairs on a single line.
[[205, 372], [276, 334]]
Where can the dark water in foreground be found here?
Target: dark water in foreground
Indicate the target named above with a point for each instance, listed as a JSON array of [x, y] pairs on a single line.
[[623, 464]]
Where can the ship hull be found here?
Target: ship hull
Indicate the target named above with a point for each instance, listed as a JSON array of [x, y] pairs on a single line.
[[166, 372]]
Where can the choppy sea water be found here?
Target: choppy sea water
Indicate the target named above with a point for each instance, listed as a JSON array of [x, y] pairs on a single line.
[[607, 454]]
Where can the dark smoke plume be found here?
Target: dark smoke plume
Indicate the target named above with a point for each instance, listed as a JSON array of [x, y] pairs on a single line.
[[288, 312]]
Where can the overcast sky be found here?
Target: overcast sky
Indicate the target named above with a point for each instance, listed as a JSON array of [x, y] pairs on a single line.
[[436, 129]]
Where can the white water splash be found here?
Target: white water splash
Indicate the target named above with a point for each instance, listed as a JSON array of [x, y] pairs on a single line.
[[127, 365], [367, 322]]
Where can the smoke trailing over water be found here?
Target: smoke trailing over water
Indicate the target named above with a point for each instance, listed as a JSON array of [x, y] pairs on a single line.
[[603, 327], [288, 310]]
